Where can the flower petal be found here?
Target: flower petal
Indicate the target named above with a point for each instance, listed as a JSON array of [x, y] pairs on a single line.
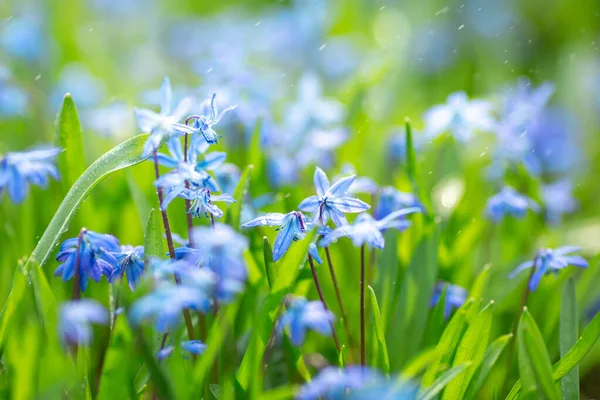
[[341, 186], [348, 204], [321, 182], [269, 219], [309, 204]]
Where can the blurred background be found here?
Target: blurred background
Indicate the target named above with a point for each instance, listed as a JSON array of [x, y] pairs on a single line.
[[331, 83]]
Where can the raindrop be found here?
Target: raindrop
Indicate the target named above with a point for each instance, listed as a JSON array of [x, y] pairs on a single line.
[[322, 47], [460, 27]]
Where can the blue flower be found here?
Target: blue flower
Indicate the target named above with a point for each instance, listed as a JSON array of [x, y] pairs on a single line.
[[302, 315], [509, 202], [366, 230], [334, 383], [165, 304], [547, 261], [455, 297], [558, 200], [223, 249], [203, 124], [18, 170], [90, 253], [164, 124], [130, 261], [203, 202], [391, 199], [75, 318], [331, 201], [314, 253], [460, 117], [228, 175], [291, 226], [361, 184], [195, 347]]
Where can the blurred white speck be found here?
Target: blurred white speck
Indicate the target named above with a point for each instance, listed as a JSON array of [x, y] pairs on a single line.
[[382, 8], [208, 71], [482, 154], [37, 78], [460, 27], [9, 18], [257, 24], [448, 193], [91, 29], [442, 11], [322, 47]]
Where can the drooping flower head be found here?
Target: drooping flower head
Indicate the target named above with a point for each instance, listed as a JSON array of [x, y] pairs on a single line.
[[75, 318], [130, 262], [164, 124], [549, 261], [459, 116], [19, 170], [336, 383], [366, 230], [302, 315], [203, 202], [195, 347], [90, 254], [509, 202], [291, 226], [391, 199], [455, 297], [331, 200], [203, 124]]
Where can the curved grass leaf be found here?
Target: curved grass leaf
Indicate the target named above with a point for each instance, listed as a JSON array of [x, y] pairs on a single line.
[[569, 328], [384, 359], [471, 349], [442, 381], [478, 289], [162, 386], [124, 155]]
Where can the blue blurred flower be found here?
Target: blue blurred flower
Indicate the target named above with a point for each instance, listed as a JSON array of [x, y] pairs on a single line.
[[302, 315], [86, 89], [550, 261], [164, 124], [75, 318], [331, 200], [558, 200], [455, 297], [13, 99], [18, 170], [523, 103], [223, 249], [460, 117], [90, 253], [334, 383], [391, 199], [165, 304], [195, 347], [203, 124], [228, 177], [361, 184], [509, 202], [366, 230], [130, 261], [24, 36], [114, 120], [291, 226], [282, 170]]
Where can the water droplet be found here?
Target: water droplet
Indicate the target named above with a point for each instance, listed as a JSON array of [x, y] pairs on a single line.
[[322, 47], [460, 27]]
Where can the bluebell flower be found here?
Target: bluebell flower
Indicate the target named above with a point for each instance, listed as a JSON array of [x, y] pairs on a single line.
[[224, 249], [331, 200], [282, 169], [86, 89], [130, 261], [90, 253], [302, 315], [361, 184], [460, 117], [549, 261], [314, 253], [13, 99], [164, 124], [18, 170], [291, 226], [366, 230], [523, 103], [190, 274], [75, 318], [195, 347], [203, 124], [228, 175], [203, 202], [24, 36], [558, 200], [391, 199], [334, 383], [165, 304], [509, 202], [455, 297]]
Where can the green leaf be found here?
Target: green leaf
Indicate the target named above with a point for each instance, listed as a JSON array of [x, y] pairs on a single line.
[[124, 155], [256, 153], [83, 370], [418, 364], [413, 306], [411, 155], [342, 356], [478, 289], [235, 210], [384, 359], [387, 271], [154, 242], [440, 383], [534, 361], [489, 360], [447, 345], [158, 376], [588, 339], [71, 161], [569, 329], [270, 266], [471, 349]]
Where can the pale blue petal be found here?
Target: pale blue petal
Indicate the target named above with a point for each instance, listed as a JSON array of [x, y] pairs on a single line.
[[284, 240], [270, 219], [310, 204], [341, 186], [321, 182], [166, 97], [348, 204], [147, 120], [314, 252], [521, 267]]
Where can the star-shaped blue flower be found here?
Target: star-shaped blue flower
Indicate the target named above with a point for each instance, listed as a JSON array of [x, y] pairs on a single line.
[[291, 226], [130, 261], [203, 202], [203, 124], [455, 297], [164, 124], [331, 200], [550, 261], [558, 200], [391, 199], [302, 315], [75, 318], [366, 230], [509, 202], [18, 170]]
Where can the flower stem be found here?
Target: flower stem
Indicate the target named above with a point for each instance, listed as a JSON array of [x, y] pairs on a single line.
[[362, 305], [165, 218], [316, 279], [338, 294]]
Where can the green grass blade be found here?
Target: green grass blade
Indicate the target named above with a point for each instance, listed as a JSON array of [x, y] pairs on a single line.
[[418, 364], [161, 383], [154, 242], [384, 359], [471, 349], [441, 382], [490, 358], [235, 210], [270, 266], [569, 329], [71, 162]]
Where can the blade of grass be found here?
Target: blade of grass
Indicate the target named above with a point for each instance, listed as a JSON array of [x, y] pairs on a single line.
[[569, 329]]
